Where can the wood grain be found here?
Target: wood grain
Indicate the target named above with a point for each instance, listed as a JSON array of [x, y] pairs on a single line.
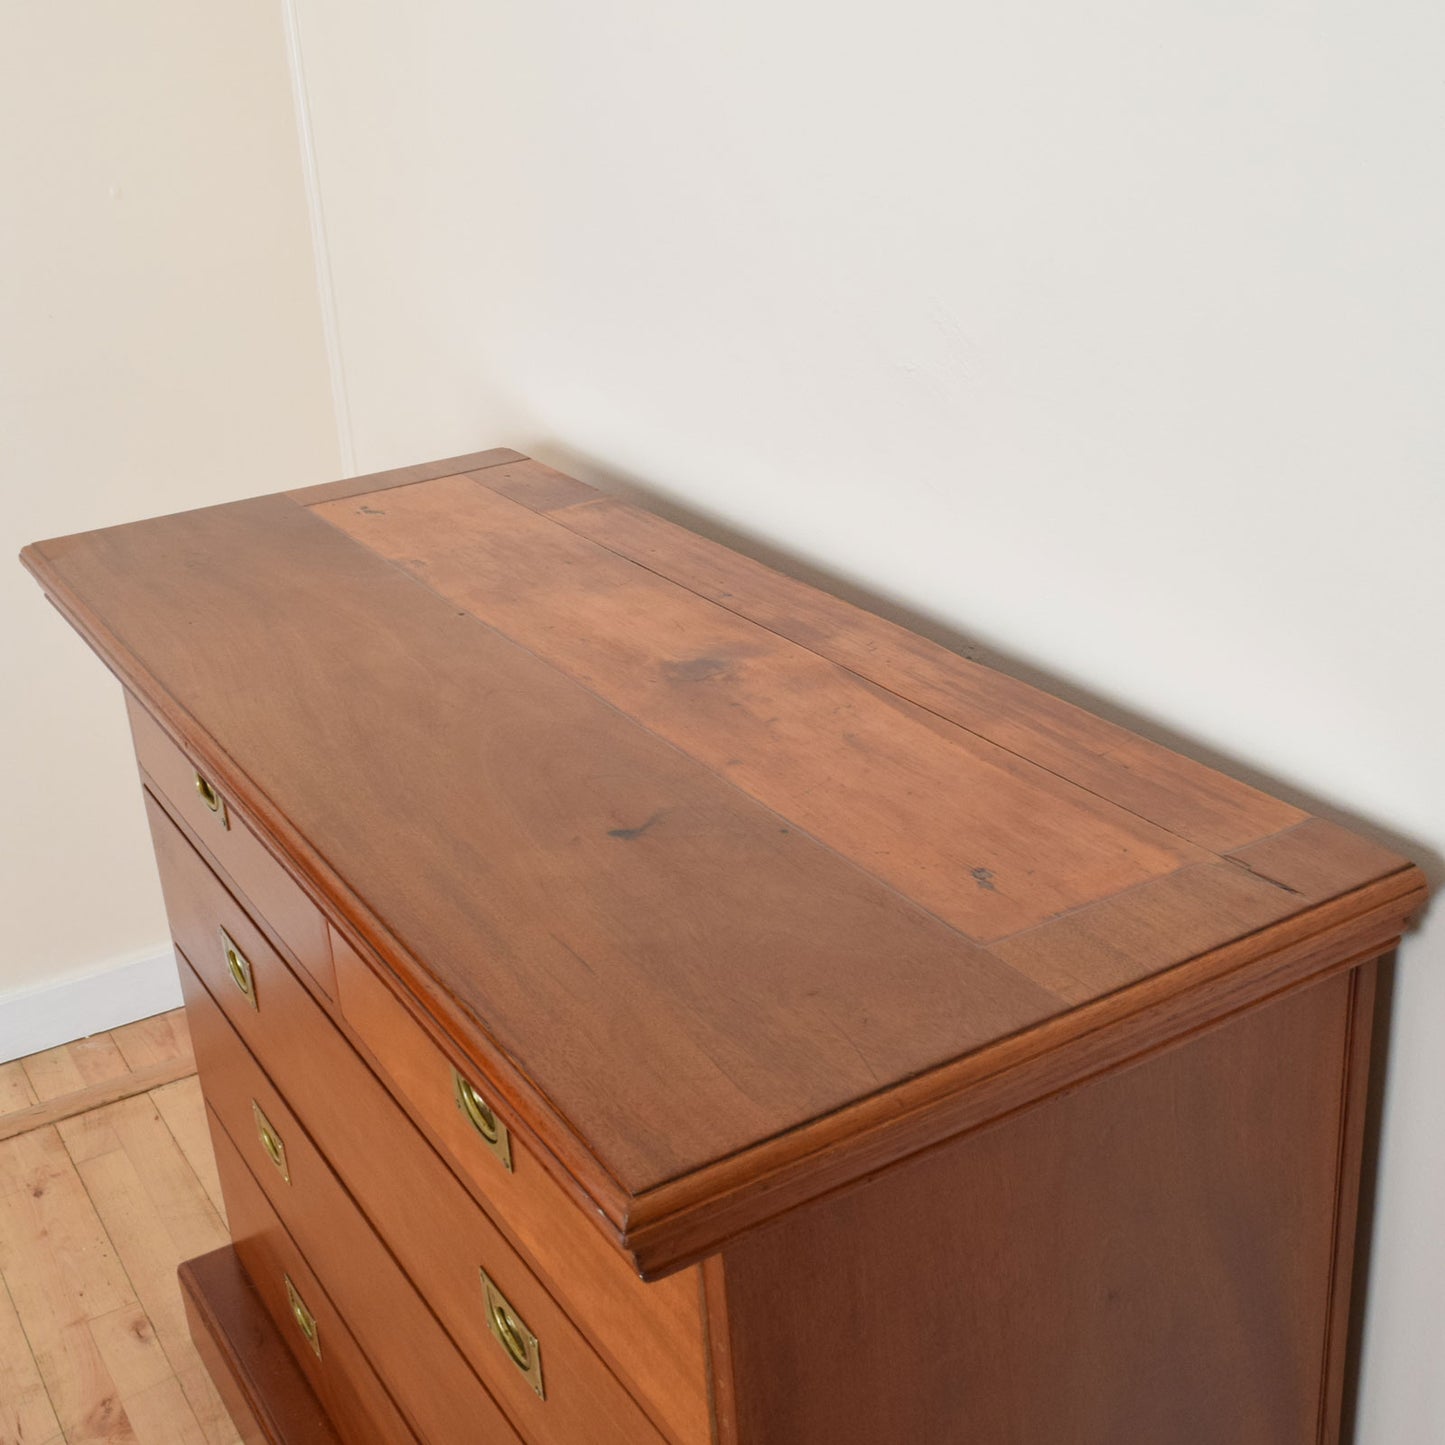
[[587, 912], [1004, 1071], [650, 1335], [235, 850], [403, 476], [812, 893], [988, 841], [688, 1219], [183, 1108], [153, 1042], [342, 1379], [1354, 1106], [155, 1214], [1194, 912], [16, 1092], [60, 1270], [94, 1096], [430, 1223], [26, 1413], [416, 1361], [93, 1345], [1196, 803], [264, 1390], [106, 1195], [56, 1083], [75, 1067], [535, 485], [722, 1369], [1147, 1259]]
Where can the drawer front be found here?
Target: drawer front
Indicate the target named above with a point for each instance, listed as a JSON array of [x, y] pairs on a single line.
[[436, 1231], [330, 1358], [251, 1366], [230, 840], [409, 1350], [651, 1334]]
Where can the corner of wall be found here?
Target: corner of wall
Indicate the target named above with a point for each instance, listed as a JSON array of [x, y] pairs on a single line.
[[325, 287]]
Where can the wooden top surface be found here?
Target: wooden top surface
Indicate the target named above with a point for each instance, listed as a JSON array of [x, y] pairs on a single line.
[[733, 890]]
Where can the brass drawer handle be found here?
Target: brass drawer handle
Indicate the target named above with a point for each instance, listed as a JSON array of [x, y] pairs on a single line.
[[478, 1113], [271, 1142], [513, 1335], [239, 968], [212, 799], [305, 1320]]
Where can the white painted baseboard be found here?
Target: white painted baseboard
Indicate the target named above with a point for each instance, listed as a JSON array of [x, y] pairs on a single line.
[[120, 992]]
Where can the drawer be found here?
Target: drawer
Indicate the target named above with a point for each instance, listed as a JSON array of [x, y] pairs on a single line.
[[436, 1231], [651, 1334], [224, 832], [330, 1358], [261, 1386], [430, 1382]]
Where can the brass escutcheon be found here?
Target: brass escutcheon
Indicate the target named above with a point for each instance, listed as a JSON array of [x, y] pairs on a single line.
[[305, 1320], [271, 1142], [239, 968], [512, 1334], [479, 1115], [212, 799]]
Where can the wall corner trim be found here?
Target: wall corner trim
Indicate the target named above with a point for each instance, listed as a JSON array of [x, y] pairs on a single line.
[[320, 244], [115, 993]]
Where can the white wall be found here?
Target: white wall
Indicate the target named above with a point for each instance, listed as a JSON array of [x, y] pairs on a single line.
[[1108, 334], [160, 348]]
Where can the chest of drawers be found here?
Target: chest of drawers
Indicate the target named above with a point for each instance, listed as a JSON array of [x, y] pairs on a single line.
[[643, 1000]]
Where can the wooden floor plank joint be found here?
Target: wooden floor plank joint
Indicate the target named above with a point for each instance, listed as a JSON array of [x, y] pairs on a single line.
[[96, 1096], [106, 1185], [60, 1083]]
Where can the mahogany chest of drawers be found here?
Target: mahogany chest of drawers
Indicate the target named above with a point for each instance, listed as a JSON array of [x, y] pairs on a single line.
[[643, 1000]]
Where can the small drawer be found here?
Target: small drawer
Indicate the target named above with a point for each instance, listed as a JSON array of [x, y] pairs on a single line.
[[213, 931], [321, 1344], [409, 1350], [651, 1334], [438, 1234], [225, 833]]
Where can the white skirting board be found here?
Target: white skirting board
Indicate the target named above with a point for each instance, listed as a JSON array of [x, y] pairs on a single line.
[[120, 992]]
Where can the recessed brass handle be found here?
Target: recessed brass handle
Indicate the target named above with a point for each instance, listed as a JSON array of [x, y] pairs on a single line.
[[305, 1320], [478, 1113], [212, 799], [509, 1330], [239, 968], [271, 1142]]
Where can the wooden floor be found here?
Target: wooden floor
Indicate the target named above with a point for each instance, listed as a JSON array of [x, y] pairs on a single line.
[[106, 1184]]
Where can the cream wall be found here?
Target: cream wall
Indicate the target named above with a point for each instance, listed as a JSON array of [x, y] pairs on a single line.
[[160, 348], [1107, 335]]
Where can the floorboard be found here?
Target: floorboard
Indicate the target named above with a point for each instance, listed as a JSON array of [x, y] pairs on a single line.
[[97, 1209], [70, 1079], [16, 1092]]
